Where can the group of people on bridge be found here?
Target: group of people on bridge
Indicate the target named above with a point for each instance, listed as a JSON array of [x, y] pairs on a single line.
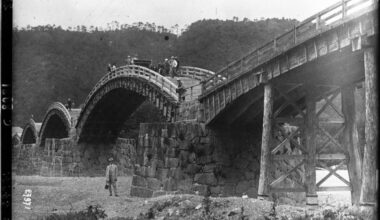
[[169, 67]]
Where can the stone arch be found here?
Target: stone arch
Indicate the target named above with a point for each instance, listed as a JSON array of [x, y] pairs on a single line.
[[56, 123], [30, 132], [117, 95]]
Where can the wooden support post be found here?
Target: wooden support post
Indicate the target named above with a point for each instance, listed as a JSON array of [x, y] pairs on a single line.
[[368, 188], [350, 141], [310, 131], [266, 143]]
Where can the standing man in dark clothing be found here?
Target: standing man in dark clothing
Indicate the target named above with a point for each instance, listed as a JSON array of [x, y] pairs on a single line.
[[181, 91], [109, 68], [69, 104], [111, 176]]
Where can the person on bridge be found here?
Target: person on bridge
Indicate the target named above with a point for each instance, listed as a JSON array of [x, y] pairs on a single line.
[[173, 67], [181, 91], [69, 104], [129, 60], [111, 176], [166, 67], [109, 68]]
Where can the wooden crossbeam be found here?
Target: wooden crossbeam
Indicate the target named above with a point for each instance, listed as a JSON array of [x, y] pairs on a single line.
[[290, 120], [280, 190], [334, 188], [332, 139], [329, 102], [331, 157], [284, 176], [280, 166], [288, 157], [289, 101], [340, 130], [290, 138], [333, 96], [332, 172]]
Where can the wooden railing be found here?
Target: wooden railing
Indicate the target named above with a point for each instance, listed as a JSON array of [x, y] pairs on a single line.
[[140, 72], [309, 28], [195, 73]]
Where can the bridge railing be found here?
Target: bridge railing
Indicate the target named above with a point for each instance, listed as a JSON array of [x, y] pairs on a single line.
[[136, 71], [61, 107], [312, 26], [195, 72]]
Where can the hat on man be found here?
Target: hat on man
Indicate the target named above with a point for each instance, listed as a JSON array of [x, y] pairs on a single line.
[[110, 159]]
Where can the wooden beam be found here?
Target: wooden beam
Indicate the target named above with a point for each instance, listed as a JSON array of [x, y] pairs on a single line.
[[283, 177], [368, 188], [288, 157], [332, 172], [334, 188], [291, 121], [310, 134], [266, 142], [351, 141], [340, 130], [290, 101], [331, 157], [281, 190]]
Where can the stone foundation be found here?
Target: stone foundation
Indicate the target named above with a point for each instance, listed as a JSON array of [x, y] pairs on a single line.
[[62, 157], [189, 158]]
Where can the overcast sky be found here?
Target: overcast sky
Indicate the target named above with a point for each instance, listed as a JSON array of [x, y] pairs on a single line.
[[161, 12]]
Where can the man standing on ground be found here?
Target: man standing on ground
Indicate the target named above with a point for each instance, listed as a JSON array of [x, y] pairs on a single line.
[[111, 176]]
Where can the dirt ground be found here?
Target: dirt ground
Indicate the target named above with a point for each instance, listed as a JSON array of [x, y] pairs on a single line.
[[65, 194]]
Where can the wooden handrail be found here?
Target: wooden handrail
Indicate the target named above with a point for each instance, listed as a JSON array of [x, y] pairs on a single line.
[[316, 22], [136, 71], [195, 72]]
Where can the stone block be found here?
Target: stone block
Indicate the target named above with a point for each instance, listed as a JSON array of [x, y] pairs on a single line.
[[215, 191], [249, 175], [192, 169], [139, 181], [170, 184], [242, 187], [159, 193], [204, 160], [205, 178], [209, 168], [201, 189], [162, 173], [175, 173], [153, 183], [241, 163], [150, 171], [140, 171], [204, 140], [173, 162], [172, 152], [252, 192], [185, 185], [141, 192], [228, 190]]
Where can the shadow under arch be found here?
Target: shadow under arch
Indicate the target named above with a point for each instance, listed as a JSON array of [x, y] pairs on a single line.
[[30, 132], [117, 95], [56, 123]]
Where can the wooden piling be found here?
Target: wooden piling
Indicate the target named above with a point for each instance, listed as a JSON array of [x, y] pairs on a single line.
[[350, 141], [368, 188], [310, 133], [266, 142]]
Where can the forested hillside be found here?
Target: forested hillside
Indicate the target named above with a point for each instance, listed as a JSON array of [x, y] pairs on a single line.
[[51, 64]]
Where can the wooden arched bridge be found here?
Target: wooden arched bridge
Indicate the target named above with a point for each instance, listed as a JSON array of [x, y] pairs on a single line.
[[281, 89]]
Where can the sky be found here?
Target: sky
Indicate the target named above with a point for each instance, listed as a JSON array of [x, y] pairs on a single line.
[[162, 12]]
